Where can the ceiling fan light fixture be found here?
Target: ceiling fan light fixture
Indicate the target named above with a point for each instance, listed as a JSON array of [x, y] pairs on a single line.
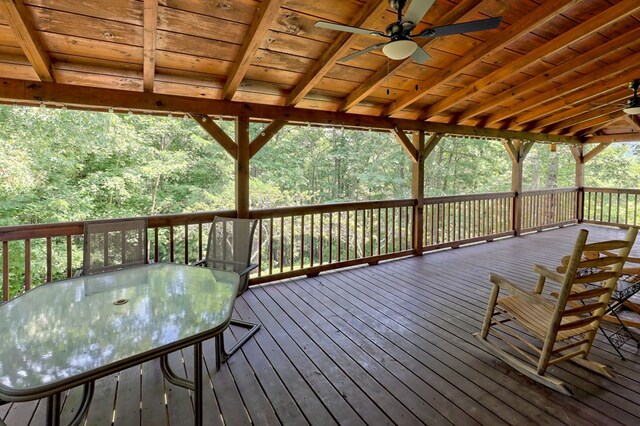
[[399, 49], [632, 110]]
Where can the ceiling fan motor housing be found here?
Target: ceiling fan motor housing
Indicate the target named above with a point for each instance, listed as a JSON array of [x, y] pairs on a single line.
[[397, 4]]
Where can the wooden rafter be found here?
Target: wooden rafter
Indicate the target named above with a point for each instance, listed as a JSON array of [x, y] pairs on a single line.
[[406, 144], [582, 118], [576, 111], [586, 58], [265, 136], [590, 126], [577, 33], [20, 22], [150, 36], [217, 133], [604, 73], [591, 93], [620, 137], [267, 13], [633, 122], [28, 92], [339, 48], [461, 10], [539, 16]]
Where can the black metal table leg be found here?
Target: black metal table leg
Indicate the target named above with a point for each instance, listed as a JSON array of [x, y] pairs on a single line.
[[197, 381], [53, 410]]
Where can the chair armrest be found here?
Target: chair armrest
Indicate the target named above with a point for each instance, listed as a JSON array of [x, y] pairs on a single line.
[[248, 269], [548, 273], [201, 262], [516, 290]]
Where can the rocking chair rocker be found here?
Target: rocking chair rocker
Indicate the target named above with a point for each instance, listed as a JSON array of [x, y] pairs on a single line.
[[562, 332]]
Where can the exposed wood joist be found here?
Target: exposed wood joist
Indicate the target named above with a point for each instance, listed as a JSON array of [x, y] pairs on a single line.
[[265, 136], [620, 137], [564, 125], [604, 73], [29, 92], [586, 58], [498, 41], [591, 93], [594, 124], [150, 36], [595, 151], [339, 48], [267, 13], [382, 74], [406, 144], [633, 122], [577, 33], [19, 20], [217, 133]]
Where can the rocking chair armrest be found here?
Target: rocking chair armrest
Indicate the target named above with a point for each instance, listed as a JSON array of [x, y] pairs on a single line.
[[201, 262], [516, 290], [548, 273]]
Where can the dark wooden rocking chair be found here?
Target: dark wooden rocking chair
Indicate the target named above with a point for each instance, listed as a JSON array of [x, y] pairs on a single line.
[[562, 332]]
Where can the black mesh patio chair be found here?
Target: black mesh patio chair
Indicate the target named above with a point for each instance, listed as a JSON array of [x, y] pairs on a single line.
[[230, 248], [114, 244]]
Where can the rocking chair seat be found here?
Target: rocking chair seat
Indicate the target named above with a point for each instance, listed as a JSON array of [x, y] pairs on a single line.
[[537, 317]]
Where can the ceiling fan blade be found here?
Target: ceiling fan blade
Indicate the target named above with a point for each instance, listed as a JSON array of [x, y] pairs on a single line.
[[361, 52], [416, 11], [465, 27], [346, 28], [420, 55]]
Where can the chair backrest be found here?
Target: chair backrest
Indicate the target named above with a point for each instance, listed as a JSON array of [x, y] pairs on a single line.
[[114, 244], [588, 283], [230, 246]]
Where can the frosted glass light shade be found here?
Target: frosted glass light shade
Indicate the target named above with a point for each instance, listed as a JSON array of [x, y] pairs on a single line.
[[399, 49], [632, 110]]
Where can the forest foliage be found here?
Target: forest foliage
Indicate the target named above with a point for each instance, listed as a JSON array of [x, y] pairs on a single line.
[[61, 165]]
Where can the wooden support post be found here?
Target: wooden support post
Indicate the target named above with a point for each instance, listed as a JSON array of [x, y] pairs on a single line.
[[578, 155], [242, 167], [417, 192], [517, 150]]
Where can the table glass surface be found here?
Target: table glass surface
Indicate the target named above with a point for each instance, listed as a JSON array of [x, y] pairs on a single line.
[[67, 328]]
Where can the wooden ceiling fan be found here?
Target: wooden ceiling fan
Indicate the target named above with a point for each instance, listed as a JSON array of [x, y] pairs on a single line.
[[401, 44]]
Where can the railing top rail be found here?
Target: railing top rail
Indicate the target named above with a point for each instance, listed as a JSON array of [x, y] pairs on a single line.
[[613, 190], [330, 208], [549, 191], [469, 197]]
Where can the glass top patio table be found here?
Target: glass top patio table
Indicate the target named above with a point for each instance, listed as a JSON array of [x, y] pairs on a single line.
[[71, 332]]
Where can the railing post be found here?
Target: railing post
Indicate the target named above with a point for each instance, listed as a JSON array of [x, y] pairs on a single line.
[[417, 192], [242, 167], [517, 151]]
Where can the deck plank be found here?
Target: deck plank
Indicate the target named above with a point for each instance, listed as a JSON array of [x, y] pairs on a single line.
[[383, 344]]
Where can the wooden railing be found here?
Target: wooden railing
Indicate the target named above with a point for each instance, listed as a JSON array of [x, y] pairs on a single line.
[[455, 220], [307, 240], [611, 206], [549, 208]]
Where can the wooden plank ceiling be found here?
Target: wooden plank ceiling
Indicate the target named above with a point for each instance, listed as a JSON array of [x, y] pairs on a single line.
[[554, 66]]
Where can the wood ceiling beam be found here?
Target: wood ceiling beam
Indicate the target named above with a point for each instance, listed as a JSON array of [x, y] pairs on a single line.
[[593, 123], [583, 95], [582, 118], [265, 136], [406, 144], [150, 37], [462, 9], [577, 33], [22, 27], [498, 41], [571, 112], [621, 137], [339, 48], [605, 73], [633, 122], [267, 13], [593, 152], [586, 58], [30, 92], [217, 133]]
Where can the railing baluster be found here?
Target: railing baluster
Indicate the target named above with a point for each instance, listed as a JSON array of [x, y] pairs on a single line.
[[281, 243], [155, 245], [364, 233], [312, 239], [171, 245], [302, 242], [321, 243], [49, 259], [339, 236], [69, 252], [379, 231], [291, 241], [27, 265], [200, 242], [260, 230], [270, 245], [5, 271], [346, 222], [186, 244], [635, 208], [355, 234], [370, 232], [330, 238], [393, 229]]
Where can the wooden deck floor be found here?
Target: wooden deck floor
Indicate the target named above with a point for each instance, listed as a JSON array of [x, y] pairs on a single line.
[[385, 344]]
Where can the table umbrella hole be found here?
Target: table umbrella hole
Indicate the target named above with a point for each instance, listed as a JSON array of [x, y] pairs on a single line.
[[120, 301]]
